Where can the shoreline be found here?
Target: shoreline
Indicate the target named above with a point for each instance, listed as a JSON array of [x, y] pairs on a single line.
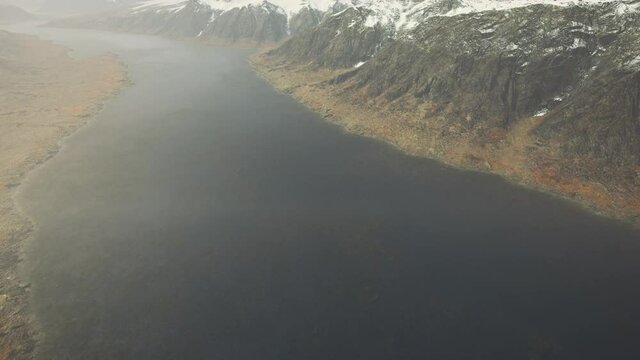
[[18, 338], [46, 96], [312, 88]]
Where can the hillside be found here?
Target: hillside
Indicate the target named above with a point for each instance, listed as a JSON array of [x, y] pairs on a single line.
[[546, 95]]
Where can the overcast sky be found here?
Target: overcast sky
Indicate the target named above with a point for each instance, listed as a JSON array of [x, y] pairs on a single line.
[[62, 6]]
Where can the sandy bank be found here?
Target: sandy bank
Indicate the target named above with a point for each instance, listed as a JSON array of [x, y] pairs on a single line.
[[45, 95]]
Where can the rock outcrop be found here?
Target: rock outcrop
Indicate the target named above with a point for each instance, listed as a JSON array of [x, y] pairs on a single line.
[[258, 23], [340, 41], [307, 18]]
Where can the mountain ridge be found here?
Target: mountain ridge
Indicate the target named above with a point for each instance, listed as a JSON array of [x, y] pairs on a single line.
[[272, 21], [544, 95]]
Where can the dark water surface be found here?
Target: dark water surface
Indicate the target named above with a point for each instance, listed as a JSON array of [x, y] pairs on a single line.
[[203, 215]]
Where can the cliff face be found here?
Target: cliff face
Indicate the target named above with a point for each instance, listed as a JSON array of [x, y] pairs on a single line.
[[306, 18], [577, 67], [262, 23], [572, 74], [340, 41]]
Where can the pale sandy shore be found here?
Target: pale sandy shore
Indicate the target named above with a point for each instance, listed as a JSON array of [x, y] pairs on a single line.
[[45, 95]]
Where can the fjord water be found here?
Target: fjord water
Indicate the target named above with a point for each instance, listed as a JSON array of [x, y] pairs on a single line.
[[203, 215]]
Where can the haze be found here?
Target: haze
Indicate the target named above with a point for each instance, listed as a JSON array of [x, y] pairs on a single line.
[[312, 180], [62, 6]]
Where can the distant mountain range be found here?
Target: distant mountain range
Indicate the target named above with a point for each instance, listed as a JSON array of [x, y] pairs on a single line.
[[215, 20], [274, 20]]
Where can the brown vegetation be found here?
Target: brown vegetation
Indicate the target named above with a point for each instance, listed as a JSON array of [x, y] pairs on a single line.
[[45, 95], [424, 128]]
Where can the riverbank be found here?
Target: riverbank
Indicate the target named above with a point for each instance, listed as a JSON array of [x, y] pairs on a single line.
[[513, 153], [45, 95]]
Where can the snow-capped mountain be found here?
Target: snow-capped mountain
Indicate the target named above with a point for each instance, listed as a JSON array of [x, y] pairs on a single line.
[[254, 21], [262, 21]]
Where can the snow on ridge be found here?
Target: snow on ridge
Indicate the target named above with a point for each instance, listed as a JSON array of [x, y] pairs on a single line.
[[473, 6], [160, 5], [401, 14], [288, 7], [406, 14]]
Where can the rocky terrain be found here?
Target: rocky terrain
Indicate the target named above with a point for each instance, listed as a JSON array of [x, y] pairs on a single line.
[[44, 96], [545, 95]]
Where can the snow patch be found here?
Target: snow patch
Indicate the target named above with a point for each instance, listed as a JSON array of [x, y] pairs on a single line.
[[541, 113], [578, 43], [633, 63], [160, 5], [623, 8]]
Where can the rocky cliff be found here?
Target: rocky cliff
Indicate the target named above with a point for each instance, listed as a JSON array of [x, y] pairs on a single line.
[[259, 23], [340, 41], [544, 94]]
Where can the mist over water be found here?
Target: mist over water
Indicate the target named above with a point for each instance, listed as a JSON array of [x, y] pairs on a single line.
[[204, 215]]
